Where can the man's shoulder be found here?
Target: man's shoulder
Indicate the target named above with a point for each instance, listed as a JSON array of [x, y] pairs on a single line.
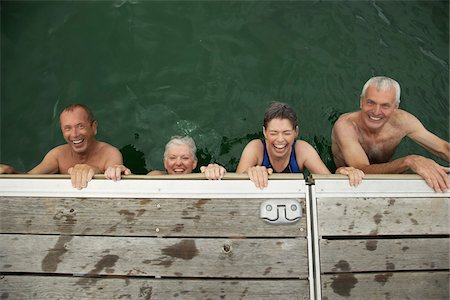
[[347, 117], [59, 150], [404, 119], [105, 147], [346, 121]]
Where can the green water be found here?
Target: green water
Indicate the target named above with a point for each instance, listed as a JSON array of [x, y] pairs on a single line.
[[153, 69]]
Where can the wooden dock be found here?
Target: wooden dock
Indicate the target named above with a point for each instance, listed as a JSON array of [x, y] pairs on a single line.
[[184, 238]]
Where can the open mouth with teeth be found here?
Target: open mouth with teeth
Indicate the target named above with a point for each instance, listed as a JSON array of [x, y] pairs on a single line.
[[77, 142], [279, 148], [375, 118]]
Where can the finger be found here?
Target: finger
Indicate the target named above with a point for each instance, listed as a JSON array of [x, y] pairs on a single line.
[[442, 181], [83, 179], [119, 172], [259, 178], [217, 175], [222, 172], [127, 171], [351, 178], [73, 179], [79, 179], [443, 174], [202, 169], [262, 177], [212, 173], [207, 173], [432, 183], [265, 178], [107, 175], [253, 177], [360, 177]]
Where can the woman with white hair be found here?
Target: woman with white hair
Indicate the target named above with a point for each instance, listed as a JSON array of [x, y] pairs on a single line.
[[179, 158]]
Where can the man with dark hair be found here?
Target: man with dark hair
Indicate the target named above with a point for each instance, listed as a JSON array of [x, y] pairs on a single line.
[[367, 139], [280, 152], [83, 156]]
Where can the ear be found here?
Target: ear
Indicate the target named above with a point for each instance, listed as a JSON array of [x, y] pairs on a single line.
[[296, 131], [94, 126], [194, 164], [360, 102], [264, 132]]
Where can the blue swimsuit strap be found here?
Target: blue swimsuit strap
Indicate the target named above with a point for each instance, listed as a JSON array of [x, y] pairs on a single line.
[[293, 166]]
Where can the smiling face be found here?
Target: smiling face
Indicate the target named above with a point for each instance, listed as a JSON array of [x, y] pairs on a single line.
[[179, 160], [280, 135], [77, 130], [377, 106]]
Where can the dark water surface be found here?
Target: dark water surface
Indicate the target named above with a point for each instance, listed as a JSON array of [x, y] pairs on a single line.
[[153, 69]]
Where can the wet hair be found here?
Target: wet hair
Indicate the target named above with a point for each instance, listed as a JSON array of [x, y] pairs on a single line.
[[382, 83], [72, 107], [278, 110], [178, 140]]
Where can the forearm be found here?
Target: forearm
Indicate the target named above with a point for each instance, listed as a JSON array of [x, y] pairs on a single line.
[[397, 166], [6, 169]]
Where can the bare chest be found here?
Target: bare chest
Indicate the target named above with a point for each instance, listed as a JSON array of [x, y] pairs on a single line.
[[381, 148], [68, 161]]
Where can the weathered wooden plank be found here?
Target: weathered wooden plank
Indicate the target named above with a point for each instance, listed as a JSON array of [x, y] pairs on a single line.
[[401, 285], [375, 185], [141, 217], [49, 288], [160, 188], [384, 255], [383, 216], [170, 257]]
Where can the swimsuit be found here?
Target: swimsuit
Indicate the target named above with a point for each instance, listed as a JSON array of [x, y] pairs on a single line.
[[292, 167]]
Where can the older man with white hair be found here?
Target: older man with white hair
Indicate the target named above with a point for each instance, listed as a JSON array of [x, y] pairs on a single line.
[[367, 139]]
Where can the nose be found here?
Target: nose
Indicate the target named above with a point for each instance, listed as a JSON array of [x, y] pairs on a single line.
[[280, 136], [377, 109], [74, 131]]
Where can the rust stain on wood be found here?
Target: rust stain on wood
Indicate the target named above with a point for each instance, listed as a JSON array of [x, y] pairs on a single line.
[[343, 265], [371, 245], [185, 249], [107, 262], [178, 228], [200, 203], [390, 266], [377, 218], [53, 258], [128, 215], [145, 201], [383, 278], [343, 284]]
